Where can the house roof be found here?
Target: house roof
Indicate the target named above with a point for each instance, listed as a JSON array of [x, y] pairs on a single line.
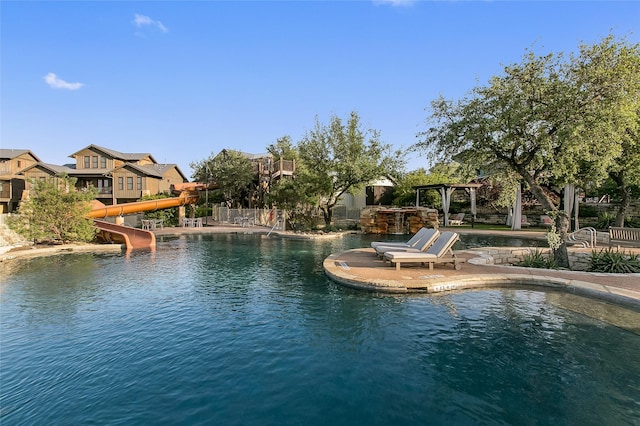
[[248, 155], [153, 170], [448, 185], [54, 169], [116, 154], [8, 154]]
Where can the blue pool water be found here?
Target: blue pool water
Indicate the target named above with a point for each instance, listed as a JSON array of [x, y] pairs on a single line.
[[244, 329]]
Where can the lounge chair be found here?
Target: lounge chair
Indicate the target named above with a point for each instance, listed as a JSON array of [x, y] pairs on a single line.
[[546, 221], [524, 221], [457, 219], [410, 243], [440, 252], [426, 240]]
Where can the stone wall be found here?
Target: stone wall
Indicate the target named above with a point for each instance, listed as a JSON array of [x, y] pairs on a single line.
[[381, 220], [511, 256]]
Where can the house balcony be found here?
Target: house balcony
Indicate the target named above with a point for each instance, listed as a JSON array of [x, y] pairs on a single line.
[[283, 168]]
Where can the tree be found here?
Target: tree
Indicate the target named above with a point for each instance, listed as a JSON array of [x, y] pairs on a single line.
[[338, 158], [168, 216], [56, 211], [283, 148], [610, 71], [231, 171], [548, 120]]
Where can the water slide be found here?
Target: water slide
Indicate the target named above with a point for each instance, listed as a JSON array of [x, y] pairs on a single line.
[[134, 238]]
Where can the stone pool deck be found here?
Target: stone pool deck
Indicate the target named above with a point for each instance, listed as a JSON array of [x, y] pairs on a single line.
[[361, 268]]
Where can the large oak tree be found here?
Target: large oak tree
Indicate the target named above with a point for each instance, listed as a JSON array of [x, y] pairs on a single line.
[[552, 120]]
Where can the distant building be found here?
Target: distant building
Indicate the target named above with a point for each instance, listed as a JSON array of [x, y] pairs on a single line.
[[119, 177], [377, 193], [266, 170], [12, 161]]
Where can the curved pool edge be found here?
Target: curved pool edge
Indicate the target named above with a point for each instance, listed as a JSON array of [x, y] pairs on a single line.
[[360, 269]]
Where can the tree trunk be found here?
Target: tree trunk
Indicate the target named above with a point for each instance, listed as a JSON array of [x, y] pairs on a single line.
[[327, 214], [562, 221], [625, 195], [561, 255]]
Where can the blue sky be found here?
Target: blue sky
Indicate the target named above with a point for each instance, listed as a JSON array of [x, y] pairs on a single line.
[[182, 80]]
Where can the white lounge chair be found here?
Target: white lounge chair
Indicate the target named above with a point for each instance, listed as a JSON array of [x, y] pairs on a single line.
[[440, 252], [426, 240], [457, 219], [410, 243]]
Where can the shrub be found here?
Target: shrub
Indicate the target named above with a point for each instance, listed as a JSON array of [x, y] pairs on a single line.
[[169, 216], [632, 222], [537, 259], [55, 212], [617, 261], [605, 221], [587, 210]]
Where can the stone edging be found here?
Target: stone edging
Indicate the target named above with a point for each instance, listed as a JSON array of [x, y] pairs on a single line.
[[509, 276], [61, 249]]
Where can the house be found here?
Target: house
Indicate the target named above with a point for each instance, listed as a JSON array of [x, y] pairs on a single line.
[[378, 192], [119, 177], [12, 161], [267, 169]]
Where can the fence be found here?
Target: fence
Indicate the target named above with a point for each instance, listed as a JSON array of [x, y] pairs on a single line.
[[342, 216]]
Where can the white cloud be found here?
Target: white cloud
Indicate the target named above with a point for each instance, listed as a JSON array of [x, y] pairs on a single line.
[[58, 83], [144, 21]]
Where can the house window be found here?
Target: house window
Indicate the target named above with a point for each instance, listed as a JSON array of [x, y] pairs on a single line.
[[120, 183], [87, 161], [95, 162], [103, 162], [139, 182], [130, 183], [19, 163]]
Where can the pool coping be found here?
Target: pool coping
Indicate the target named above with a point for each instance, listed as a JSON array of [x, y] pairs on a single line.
[[361, 269]]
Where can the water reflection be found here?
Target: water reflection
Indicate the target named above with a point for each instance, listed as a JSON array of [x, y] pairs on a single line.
[[248, 328]]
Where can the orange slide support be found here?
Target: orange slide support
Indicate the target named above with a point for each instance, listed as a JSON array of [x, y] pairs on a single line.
[[134, 238]]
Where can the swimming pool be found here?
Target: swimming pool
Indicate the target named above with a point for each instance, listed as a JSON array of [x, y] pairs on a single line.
[[246, 329]]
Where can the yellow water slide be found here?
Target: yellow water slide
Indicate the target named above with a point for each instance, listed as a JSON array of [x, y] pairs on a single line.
[[134, 238], [142, 206]]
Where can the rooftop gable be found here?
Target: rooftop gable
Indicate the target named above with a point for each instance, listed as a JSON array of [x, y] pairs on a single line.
[[9, 154], [153, 170], [116, 154], [54, 169]]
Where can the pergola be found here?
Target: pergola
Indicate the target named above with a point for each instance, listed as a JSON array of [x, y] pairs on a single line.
[[446, 189]]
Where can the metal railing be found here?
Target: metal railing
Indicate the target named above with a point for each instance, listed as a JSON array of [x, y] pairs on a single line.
[[579, 234]]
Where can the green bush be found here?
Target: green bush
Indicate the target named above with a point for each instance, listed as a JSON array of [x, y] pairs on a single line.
[[55, 212], [537, 259], [169, 216], [617, 261], [632, 222], [587, 210], [605, 220]]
